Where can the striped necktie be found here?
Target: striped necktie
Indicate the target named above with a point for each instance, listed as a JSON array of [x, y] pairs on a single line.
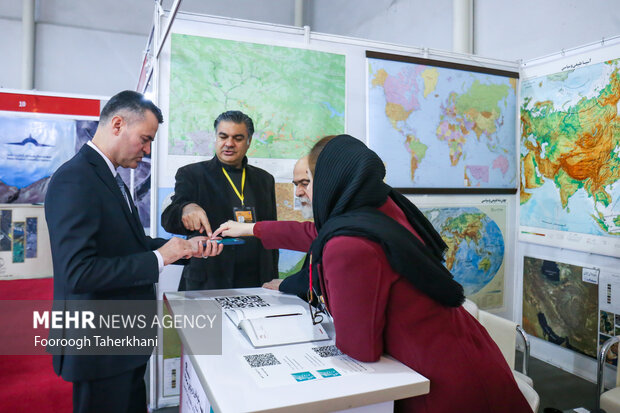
[[121, 186]]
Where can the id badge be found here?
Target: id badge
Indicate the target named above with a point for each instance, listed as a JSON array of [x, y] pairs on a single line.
[[244, 214]]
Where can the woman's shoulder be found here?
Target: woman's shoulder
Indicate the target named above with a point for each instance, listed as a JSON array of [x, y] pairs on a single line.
[[345, 255], [349, 246]]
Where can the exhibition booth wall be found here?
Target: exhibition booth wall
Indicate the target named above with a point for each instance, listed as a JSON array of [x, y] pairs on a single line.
[[456, 160], [515, 164]]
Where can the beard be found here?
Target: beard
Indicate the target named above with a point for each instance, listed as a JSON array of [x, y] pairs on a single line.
[[306, 208]]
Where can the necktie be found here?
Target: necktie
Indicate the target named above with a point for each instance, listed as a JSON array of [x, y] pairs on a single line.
[[121, 186]]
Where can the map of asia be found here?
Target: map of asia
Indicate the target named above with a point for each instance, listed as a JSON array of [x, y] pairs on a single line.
[[570, 163]]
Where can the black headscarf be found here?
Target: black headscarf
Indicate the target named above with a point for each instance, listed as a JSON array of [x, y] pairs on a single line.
[[348, 188]]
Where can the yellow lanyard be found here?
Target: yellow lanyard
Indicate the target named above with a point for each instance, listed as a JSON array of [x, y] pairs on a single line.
[[240, 195]]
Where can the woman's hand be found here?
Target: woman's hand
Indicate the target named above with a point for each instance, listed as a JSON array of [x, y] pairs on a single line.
[[234, 229]]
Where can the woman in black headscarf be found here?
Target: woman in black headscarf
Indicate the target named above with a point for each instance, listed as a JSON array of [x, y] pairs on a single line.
[[379, 264]]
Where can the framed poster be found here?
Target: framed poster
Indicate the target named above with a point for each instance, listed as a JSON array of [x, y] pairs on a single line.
[[442, 127], [570, 168]]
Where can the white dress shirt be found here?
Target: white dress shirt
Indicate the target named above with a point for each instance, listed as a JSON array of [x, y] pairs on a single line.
[[160, 259]]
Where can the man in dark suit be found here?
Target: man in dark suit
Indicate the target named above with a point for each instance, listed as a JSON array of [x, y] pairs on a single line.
[[100, 251], [209, 193]]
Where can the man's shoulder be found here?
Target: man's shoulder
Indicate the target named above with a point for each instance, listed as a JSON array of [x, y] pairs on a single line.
[[75, 176], [75, 167], [197, 167], [259, 172]]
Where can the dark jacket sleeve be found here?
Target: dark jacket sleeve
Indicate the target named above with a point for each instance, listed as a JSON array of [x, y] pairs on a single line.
[[74, 228], [296, 284], [185, 192], [155, 243]]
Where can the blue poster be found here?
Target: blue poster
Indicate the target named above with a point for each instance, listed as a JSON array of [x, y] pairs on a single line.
[[31, 149]]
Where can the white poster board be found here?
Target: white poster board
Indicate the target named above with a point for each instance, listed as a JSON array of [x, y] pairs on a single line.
[[480, 233], [34, 240]]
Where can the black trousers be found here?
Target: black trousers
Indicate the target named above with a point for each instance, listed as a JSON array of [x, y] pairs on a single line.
[[123, 393], [187, 284]]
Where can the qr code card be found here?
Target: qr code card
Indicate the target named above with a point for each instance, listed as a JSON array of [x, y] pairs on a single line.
[[261, 360], [241, 301], [292, 365]]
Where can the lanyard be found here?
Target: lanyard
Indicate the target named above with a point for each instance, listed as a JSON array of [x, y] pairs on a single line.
[[240, 195], [320, 298], [311, 291]]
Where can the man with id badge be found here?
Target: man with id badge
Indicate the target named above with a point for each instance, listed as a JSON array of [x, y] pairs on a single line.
[[209, 193]]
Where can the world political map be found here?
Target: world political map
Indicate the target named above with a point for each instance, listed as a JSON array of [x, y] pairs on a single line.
[[475, 254], [570, 147], [437, 127], [294, 96]]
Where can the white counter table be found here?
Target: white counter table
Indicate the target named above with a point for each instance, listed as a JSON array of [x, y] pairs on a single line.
[[228, 383]]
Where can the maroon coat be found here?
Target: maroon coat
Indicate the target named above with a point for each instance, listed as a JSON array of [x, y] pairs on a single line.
[[376, 311]]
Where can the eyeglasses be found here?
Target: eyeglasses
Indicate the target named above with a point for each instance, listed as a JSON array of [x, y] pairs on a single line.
[[317, 312]]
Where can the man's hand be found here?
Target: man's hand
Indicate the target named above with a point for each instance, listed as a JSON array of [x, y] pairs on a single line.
[[234, 229], [194, 218], [177, 248], [204, 247], [273, 284]]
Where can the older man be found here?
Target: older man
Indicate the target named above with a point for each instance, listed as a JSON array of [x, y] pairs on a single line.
[[297, 283], [301, 181], [208, 193], [100, 252]]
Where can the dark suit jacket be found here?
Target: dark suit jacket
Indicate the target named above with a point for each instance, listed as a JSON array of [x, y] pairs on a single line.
[[204, 183], [99, 252]]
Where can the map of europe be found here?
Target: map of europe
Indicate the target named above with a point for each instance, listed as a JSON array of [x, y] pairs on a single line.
[[294, 96], [570, 147], [439, 127], [475, 254]]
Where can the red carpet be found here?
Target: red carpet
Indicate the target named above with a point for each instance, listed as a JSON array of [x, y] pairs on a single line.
[[29, 383]]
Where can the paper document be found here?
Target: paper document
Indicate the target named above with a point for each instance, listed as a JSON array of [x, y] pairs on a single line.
[[271, 325], [307, 362]]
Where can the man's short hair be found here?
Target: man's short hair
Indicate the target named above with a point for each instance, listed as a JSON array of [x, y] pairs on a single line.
[[236, 116], [130, 101]]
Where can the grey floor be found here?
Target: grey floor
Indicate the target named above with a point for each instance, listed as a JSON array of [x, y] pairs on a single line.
[[559, 391]]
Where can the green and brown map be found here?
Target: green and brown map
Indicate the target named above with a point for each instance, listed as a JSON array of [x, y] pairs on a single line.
[[294, 96], [570, 151]]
